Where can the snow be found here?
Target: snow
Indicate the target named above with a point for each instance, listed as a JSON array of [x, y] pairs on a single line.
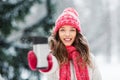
[[109, 71], [1, 78]]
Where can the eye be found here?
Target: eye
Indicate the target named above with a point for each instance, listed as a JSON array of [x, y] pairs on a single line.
[[62, 29], [73, 29]]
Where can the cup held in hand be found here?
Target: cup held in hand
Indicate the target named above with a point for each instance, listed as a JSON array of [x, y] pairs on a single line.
[[41, 50]]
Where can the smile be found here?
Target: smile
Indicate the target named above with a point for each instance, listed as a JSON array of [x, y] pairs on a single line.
[[67, 39]]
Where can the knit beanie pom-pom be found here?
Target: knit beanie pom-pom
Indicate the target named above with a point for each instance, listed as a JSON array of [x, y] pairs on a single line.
[[72, 11]]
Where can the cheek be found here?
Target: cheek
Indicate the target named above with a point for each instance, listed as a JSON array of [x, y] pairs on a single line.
[[74, 35], [60, 35]]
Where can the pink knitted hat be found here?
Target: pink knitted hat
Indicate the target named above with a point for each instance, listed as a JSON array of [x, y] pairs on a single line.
[[68, 17]]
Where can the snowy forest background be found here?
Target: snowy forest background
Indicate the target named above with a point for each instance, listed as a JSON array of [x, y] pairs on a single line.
[[22, 19]]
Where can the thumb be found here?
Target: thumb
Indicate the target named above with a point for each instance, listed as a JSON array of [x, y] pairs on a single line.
[[32, 60]]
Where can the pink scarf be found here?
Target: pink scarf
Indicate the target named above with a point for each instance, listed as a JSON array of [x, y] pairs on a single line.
[[81, 73]]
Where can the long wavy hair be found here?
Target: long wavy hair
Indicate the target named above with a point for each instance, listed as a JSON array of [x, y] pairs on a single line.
[[59, 51]]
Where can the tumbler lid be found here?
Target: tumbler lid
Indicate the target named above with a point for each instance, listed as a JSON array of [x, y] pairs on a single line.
[[39, 40]]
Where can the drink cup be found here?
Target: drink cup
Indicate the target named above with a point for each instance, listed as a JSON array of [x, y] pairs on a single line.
[[41, 50]]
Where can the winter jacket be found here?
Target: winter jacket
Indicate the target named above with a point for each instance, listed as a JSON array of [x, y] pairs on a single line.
[[53, 74]]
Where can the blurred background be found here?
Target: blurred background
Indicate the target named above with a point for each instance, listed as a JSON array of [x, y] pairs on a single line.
[[22, 19]]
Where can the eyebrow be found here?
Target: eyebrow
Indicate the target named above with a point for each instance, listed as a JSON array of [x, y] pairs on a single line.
[[64, 28], [73, 28]]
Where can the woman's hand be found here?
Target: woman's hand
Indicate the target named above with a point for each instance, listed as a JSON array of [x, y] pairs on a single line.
[[32, 62]]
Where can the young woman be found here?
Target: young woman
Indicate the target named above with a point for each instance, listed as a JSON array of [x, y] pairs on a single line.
[[70, 57]]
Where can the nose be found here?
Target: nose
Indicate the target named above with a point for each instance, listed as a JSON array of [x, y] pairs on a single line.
[[67, 33]]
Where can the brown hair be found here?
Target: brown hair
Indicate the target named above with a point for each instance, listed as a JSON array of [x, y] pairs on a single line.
[[59, 51]]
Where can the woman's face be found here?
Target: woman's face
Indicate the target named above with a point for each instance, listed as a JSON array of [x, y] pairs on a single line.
[[67, 34]]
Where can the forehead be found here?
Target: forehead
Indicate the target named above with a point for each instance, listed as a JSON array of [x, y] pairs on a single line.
[[68, 27]]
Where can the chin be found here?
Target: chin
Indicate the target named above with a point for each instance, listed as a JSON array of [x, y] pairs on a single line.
[[68, 44]]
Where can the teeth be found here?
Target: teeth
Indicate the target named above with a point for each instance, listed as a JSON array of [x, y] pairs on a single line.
[[67, 39]]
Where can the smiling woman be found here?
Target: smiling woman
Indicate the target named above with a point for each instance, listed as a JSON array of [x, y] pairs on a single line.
[[67, 34], [70, 57]]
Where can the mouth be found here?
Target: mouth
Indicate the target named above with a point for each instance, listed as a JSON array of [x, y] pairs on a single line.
[[67, 39]]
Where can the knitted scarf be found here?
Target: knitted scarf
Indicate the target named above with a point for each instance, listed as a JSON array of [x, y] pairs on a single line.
[[81, 73]]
